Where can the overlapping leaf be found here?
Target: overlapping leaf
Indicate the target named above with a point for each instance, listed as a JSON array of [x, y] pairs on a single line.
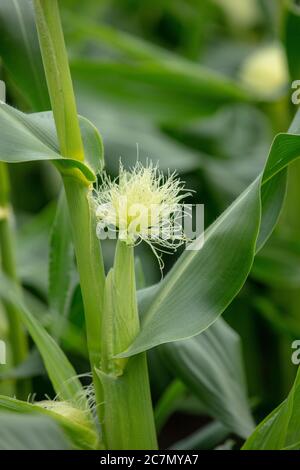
[[81, 431], [165, 92], [30, 432], [281, 428], [210, 365], [203, 283], [61, 372], [205, 280], [32, 137]]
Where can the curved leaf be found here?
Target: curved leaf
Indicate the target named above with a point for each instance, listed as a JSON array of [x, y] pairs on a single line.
[[32, 137], [202, 283], [279, 430], [83, 434], [34, 432], [61, 372]]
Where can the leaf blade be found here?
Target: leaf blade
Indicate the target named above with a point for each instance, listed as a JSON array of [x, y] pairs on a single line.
[[207, 280], [62, 374]]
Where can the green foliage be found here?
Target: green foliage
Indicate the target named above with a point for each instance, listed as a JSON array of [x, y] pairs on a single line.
[[60, 265], [280, 430], [30, 432], [33, 138], [75, 423], [168, 78], [61, 372], [25, 70], [210, 366]]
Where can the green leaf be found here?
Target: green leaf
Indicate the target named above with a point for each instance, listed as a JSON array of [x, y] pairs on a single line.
[[32, 137], [233, 131], [61, 372], [120, 130], [278, 263], [291, 24], [168, 92], [32, 254], [280, 429], [31, 367], [168, 403], [206, 438], [60, 264], [79, 428], [149, 81], [20, 52], [125, 384], [278, 321], [202, 283], [210, 366], [19, 432], [120, 396]]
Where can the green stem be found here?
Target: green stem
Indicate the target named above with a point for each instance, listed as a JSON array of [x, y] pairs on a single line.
[[122, 386], [91, 271], [87, 247], [17, 335], [58, 76], [128, 414]]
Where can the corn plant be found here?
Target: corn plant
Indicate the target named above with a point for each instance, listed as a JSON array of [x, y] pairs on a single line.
[[176, 323]]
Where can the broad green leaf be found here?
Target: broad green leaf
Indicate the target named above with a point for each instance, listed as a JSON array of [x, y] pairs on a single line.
[[133, 47], [168, 92], [79, 428], [281, 428], [207, 280], [20, 53], [30, 432], [149, 81], [32, 137], [210, 366], [60, 371]]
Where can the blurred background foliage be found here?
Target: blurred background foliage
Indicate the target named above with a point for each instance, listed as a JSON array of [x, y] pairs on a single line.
[[201, 86]]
